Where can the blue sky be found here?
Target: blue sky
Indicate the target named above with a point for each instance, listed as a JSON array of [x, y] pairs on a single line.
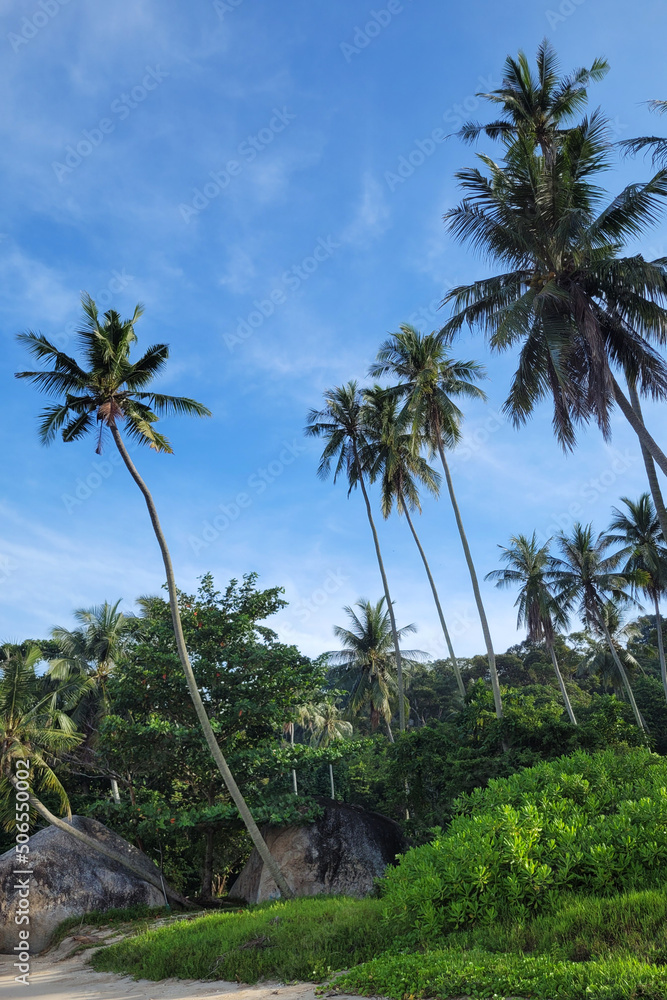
[[233, 166]]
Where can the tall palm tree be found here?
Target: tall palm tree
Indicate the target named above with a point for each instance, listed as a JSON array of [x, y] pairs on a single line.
[[366, 666], [341, 424], [88, 656], [31, 729], [527, 566], [105, 391], [598, 660], [645, 557], [400, 465], [586, 575], [326, 727], [649, 464], [429, 380], [655, 144], [582, 312], [536, 105]]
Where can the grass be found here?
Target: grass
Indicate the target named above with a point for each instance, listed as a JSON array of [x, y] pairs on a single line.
[[306, 939], [137, 916], [593, 948]]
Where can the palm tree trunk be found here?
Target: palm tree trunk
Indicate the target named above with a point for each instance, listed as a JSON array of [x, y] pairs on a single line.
[[443, 623], [495, 684], [390, 606], [622, 674], [331, 779], [637, 425], [561, 684], [661, 644], [108, 852], [114, 791], [209, 736], [295, 786], [207, 869], [649, 464]]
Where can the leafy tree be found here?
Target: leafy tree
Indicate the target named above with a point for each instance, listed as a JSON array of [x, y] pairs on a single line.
[[341, 423], [528, 568], [107, 390], [586, 575], [429, 379], [645, 554], [366, 665]]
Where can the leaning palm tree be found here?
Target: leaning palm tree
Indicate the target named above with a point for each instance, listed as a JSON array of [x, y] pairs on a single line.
[[31, 729], [645, 557], [582, 312], [598, 660], [400, 466], [341, 424], [326, 726], [104, 392], [585, 576], [527, 567], [88, 656], [537, 105], [366, 667], [429, 380]]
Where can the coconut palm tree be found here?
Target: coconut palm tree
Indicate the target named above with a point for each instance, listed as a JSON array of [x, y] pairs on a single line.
[[104, 392], [656, 145], [598, 660], [326, 726], [581, 311], [366, 666], [31, 729], [341, 424], [527, 566], [645, 557], [399, 465], [585, 576], [88, 657], [536, 105], [429, 380]]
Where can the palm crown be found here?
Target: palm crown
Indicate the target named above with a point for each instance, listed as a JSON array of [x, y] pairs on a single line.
[[528, 567], [106, 386]]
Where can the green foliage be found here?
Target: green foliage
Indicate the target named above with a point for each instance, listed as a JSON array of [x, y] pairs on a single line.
[[592, 824], [301, 939]]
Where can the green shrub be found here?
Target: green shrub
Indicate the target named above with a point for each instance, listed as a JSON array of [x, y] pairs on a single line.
[[588, 824]]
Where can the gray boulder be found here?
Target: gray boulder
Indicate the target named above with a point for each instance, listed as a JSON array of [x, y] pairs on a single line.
[[342, 853], [68, 879]]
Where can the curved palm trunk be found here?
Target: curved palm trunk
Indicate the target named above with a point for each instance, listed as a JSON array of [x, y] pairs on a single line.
[[561, 684], [649, 464], [637, 424], [209, 736], [443, 623], [475, 586], [661, 644], [623, 675], [390, 608], [94, 845]]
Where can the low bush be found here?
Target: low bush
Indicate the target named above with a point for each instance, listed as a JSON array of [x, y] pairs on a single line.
[[306, 939], [588, 824]]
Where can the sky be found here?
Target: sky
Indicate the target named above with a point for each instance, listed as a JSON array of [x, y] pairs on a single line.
[[264, 178]]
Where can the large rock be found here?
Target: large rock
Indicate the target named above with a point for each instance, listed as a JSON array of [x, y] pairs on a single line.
[[68, 879], [342, 853]]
